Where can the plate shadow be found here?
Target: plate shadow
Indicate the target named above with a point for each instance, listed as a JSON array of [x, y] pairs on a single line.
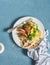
[[24, 51]]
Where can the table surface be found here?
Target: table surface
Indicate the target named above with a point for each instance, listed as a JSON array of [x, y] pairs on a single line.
[[12, 10]]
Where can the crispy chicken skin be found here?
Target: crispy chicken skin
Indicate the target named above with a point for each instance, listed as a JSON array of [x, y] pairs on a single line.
[[27, 28], [22, 32]]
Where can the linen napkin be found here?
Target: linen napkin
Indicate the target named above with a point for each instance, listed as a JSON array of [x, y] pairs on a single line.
[[40, 54]]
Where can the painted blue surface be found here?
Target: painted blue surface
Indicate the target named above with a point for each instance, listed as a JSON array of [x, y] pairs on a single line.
[[11, 10]]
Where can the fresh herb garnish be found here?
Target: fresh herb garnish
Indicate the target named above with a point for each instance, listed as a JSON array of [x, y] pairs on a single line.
[[22, 26], [32, 35], [36, 27]]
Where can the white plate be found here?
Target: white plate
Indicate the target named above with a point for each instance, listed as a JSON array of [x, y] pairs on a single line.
[[14, 34]]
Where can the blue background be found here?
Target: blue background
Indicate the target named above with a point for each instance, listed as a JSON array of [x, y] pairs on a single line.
[[10, 11]]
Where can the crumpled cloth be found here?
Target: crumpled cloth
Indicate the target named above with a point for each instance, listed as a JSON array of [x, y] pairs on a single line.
[[40, 54]]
